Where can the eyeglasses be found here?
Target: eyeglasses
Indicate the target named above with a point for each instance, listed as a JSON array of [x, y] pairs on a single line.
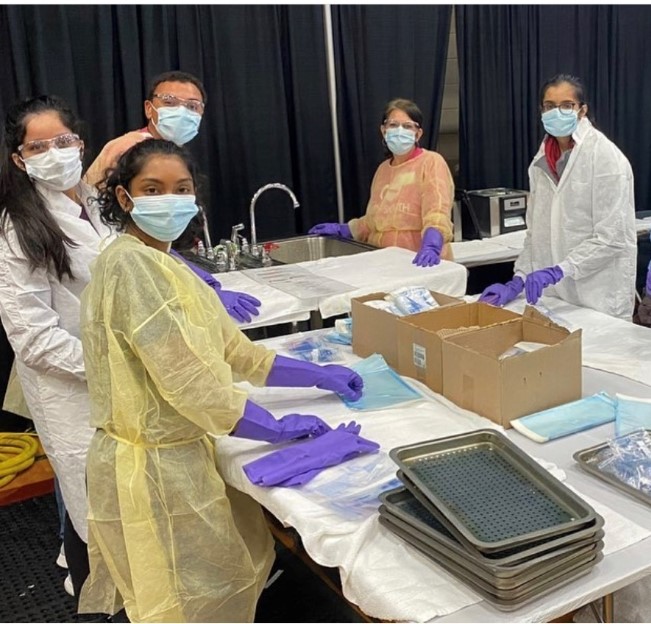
[[565, 107], [196, 106], [34, 148], [407, 125]]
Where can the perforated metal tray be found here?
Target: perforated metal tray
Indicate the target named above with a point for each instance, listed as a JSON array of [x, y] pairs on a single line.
[[516, 577], [512, 555], [505, 600], [587, 458], [401, 504], [491, 492]]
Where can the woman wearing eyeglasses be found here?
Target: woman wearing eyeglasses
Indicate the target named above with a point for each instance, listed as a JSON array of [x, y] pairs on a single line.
[[411, 193], [581, 244], [49, 235]]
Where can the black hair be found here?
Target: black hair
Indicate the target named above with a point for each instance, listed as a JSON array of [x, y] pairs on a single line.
[[558, 79], [406, 106], [39, 235], [129, 165], [177, 76]]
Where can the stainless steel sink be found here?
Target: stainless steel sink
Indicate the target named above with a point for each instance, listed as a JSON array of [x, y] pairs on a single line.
[[304, 248]]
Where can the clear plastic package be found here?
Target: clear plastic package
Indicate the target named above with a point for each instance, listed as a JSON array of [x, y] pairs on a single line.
[[312, 349], [412, 300], [629, 460]]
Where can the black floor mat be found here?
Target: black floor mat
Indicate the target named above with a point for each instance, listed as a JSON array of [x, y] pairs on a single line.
[[31, 584]]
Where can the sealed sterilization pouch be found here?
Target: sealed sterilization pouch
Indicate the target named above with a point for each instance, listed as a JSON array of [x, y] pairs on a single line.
[[312, 349], [563, 420], [631, 413], [383, 387]]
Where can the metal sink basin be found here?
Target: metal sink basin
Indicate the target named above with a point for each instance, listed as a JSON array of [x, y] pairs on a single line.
[[304, 248]]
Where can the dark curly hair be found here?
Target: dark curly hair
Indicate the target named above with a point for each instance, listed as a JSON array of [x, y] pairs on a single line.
[[128, 167]]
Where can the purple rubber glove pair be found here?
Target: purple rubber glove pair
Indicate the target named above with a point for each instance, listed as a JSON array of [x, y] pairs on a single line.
[[501, 294], [331, 229], [259, 424], [429, 253], [537, 281], [290, 373], [300, 463], [239, 305]]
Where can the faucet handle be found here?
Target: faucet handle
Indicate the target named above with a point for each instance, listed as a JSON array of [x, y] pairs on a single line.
[[234, 230]]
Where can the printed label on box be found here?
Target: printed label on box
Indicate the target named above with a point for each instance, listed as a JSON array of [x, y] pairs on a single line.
[[420, 356]]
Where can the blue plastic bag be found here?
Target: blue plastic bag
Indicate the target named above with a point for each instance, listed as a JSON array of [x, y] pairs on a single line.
[[563, 420], [383, 387]]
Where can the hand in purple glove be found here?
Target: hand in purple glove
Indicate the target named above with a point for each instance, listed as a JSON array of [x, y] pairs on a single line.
[[288, 372], [647, 287], [501, 294], [429, 253], [239, 305], [300, 463], [259, 424], [331, 229], [537, 281]]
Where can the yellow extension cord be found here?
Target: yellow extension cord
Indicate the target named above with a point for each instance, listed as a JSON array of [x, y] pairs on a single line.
[[17, 453]]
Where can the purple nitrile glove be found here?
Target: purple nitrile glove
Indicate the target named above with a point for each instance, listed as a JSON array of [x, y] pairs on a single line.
[[647, 287], [501, 294], [429, 253], [259, 424], [299, 463], [204, 275], [290, 373], [537, 281], [238, 304], [331, 229]]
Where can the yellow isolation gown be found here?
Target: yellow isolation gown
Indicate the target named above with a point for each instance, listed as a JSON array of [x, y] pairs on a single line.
[[167, 538]]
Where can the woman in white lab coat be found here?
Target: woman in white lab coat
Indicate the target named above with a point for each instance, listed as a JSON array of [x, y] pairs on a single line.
[[49, 234], [581, 244]]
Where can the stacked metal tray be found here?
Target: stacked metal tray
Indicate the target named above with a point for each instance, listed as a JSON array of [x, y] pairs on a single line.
[[488, 513]]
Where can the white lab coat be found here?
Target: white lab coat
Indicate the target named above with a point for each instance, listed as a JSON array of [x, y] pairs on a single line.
[[41, 317], [586, 225]]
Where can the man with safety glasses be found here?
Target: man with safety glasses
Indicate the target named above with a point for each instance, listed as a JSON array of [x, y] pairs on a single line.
[[174, 108]]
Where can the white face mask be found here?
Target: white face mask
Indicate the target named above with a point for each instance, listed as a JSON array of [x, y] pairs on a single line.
[[58, 169]]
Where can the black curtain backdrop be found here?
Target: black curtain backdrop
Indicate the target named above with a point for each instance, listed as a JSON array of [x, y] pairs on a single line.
[[507, 52], [384, 52], [267, 118]]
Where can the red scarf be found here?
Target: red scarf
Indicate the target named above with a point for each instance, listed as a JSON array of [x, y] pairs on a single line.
[[553, 153]]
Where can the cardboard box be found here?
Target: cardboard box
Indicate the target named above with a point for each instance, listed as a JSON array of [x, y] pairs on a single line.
[[504, 389], [375, 331], [420, 347]]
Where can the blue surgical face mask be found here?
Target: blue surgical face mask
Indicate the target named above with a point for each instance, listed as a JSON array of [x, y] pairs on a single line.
[[560, 124], [163, 217], [399, 140], [177, 124]]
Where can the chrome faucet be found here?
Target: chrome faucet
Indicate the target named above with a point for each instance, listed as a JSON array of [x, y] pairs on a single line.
[[254, 199]]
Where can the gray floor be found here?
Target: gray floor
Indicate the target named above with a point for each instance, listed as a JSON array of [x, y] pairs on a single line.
[[31, 584]]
